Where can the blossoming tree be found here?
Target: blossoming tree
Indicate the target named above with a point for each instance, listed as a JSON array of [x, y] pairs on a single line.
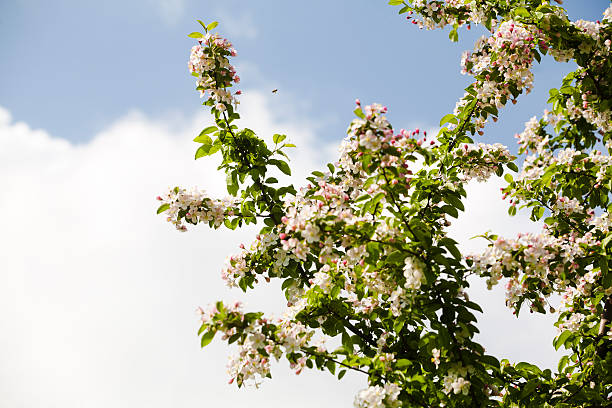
[[363, 250]]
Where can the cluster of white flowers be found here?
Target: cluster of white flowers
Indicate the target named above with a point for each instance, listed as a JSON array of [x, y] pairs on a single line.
[[510, 51], [454, 381], [482, 160], [248, 364], [283, 336], [195, 206], [535, 165], [303, 214], [561, 55], [586, 110], [237, 266], [439, 14], [251, 365], [513, 44], [590, 28], [322, 279], [413, 272], [572, 323], [377, 396], [607, 14], [531, 255], [531, 139], [373, 129], [435, 357], [602, 222], [579, 297], [567, 206], [209, 62]]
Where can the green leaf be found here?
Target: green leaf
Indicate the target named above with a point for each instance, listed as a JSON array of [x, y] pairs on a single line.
[[205, 139], [508, 178], [402, 363], [529, 387], [278, 138], [523, 366], [212, 25], [282, 166], [341, 374], [207, 130], [491, 109], [606, 241], [512, 167], [562, 363], [454, 201], [559, 341], [453, 35], [398, 325], [395, 2], [202, 24], [331, 366], [195, 34], [537, 56], [537, 213], [396, 257], [377, 198], [203, 150], [163, 208], [207, 337], [347, 342], [452, 248], [521, 11], [450, 118], [490, 360], [450, 210], [232, 183], [359, 113]]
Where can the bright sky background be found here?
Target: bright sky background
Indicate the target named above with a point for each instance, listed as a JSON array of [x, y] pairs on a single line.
[[97, 113]]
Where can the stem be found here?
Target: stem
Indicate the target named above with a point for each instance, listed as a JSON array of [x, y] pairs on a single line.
[[606, 318], [339, 363], [352, 328], [248, 165], [461, 128], [397, 206]]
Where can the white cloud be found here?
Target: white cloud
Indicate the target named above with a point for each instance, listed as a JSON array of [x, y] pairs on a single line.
[[97, 293]]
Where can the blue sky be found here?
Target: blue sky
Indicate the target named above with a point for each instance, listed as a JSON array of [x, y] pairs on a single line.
[[97, 113], [71, 67]]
